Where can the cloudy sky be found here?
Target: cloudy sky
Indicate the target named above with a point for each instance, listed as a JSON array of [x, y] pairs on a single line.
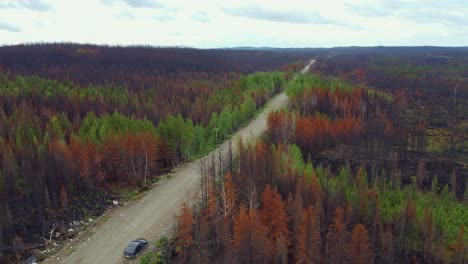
[[211, 23]]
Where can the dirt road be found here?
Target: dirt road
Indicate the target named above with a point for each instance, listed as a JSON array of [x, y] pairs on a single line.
[[153, 215]]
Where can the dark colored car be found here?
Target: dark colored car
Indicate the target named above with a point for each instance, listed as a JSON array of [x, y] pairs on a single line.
[[134, 247]]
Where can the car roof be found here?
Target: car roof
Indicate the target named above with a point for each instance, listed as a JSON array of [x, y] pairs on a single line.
[[134, 244]]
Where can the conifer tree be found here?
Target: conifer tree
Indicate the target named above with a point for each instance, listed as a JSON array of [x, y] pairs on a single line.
[[273, 215], [337, 239], [359, 249]]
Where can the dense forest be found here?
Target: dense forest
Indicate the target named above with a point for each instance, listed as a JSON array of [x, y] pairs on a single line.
[[82, 124], [136, 66], [366, 165], [346, 174]]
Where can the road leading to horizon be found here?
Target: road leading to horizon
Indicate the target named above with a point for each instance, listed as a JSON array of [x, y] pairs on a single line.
[[154, 213]]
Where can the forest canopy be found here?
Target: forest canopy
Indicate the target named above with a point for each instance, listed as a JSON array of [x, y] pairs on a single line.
[[81, 124]]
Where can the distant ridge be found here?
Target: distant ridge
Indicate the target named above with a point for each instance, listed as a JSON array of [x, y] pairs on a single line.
[[345, 50], [273, 48]]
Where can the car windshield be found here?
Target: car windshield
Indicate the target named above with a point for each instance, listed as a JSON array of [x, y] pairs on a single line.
[[132, 247]]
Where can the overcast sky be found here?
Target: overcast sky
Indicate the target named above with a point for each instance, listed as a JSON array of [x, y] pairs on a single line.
[[211, 23]]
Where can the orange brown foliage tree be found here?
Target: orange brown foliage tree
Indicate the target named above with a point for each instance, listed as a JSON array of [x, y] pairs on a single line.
[[250, 243], [309, 246], [229, 196], [184, 232], [273, 214], [359, 249], [337, 239]]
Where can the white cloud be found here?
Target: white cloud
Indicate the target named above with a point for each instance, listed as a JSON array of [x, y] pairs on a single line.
[[8, 27], [201, 16], [209, 23], [289, 16], [37, 5], [137, 3]]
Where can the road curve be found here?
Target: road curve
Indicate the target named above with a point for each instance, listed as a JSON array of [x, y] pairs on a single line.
[[154, 213]]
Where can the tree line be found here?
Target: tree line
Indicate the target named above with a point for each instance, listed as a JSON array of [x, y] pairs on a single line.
[[135, 66]]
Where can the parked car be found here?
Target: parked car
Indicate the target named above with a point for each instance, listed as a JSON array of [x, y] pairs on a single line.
[[134, 247]]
